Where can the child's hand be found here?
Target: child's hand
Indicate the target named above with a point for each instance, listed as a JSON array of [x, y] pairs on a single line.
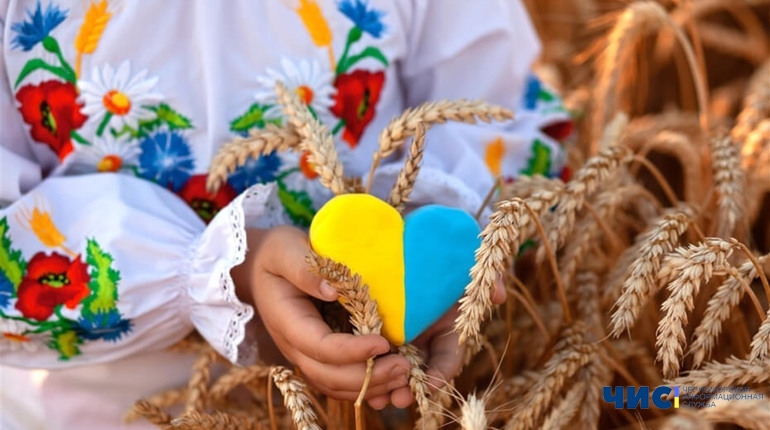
[[276, 279]]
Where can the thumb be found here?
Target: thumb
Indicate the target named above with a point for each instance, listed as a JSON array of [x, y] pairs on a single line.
[[289, 262]]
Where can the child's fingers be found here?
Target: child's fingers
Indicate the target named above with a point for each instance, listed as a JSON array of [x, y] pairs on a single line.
[[290, 314], [291, 264], [498, 293], [345, 381]]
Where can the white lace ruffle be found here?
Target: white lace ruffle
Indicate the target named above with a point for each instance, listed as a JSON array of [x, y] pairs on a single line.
[[224, 244]]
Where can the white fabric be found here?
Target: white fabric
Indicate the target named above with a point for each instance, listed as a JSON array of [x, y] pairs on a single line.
[[204, 65]]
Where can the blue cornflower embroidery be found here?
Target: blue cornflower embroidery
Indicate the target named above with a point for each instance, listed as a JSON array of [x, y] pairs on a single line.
[[38, 27], [368, 20], [256, 171], [6, 290], [166, 159], [533, 91], [109, 326]]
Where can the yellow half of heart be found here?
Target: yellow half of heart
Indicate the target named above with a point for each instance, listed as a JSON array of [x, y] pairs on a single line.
[[367, 235]]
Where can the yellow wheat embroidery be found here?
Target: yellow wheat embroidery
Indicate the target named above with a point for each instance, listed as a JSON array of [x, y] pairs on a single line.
[[317, 26], [96, 19], [494, 155], [40, 222]]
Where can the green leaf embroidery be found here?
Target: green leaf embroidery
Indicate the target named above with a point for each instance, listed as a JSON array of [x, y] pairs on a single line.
[[174, 119], [545, 96], [298, 205], [104, 279], [66, 342], [540, 162], [37, 64], [369, 52], [11, 262], [254, 117]]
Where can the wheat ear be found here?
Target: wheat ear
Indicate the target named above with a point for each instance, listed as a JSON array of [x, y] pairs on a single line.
[[473, 414], [734, 372], [597, 169], [236, 153], [216, 421], [760, 344], [564, 413], [405, 125], [197, 388], [418, 379], [235, 376], [295, 398], [718, 310], [399, 195], [571, 353], [756, 104], [729, 181], [149, 411], [160, 401], [315, 138], [688, 268], [638, 283], [746, 413]]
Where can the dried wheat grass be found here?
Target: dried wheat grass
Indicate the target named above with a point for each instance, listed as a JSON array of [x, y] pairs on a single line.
[[216, 421], [473, 415], [685, 419], [418, 379], [746, 413], [734, 372], [563, 415], [756, 105], [197, 388], [760, 344]]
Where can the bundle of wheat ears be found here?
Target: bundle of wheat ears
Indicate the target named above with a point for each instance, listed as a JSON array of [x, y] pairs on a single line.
[[649, 267]]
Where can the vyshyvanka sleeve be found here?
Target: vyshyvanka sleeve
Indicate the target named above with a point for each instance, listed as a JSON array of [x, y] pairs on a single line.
[[478, 50], [97, 267]]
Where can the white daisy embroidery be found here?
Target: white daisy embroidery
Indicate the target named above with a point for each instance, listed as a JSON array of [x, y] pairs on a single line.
[[108, 154], [14, 337], [113, 97], [308, 79]]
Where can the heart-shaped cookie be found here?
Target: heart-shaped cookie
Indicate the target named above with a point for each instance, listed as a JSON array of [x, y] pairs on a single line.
[[416, 268]]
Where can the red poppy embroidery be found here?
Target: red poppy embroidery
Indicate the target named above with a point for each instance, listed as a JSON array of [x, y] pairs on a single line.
[[357, 95], [205, 204], [52, 110], [51, 281], [559, 130]]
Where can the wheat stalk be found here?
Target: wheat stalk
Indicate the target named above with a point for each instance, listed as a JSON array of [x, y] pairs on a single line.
[[315, 138], [638, 284], [295, 398], [236, 153], [418, 379], [687, 268], [399, 195]]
